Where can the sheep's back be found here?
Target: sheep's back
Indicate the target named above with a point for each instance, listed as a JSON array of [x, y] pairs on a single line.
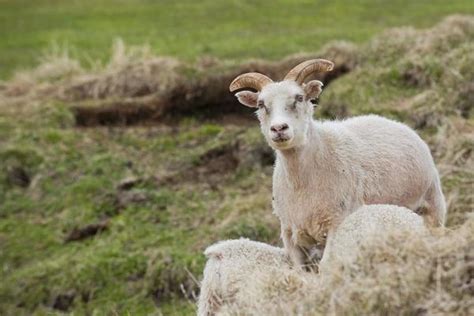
[[363, 226], [396, 163]]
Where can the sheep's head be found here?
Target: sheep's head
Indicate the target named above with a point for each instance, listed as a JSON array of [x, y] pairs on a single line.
[[284, 108]]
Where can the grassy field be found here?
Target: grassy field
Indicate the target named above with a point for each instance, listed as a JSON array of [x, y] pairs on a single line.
[[109, 220], [189, 29]]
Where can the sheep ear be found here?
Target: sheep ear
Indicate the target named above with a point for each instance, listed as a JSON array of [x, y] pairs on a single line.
[[213, 252], [248, 98], [313, 89]]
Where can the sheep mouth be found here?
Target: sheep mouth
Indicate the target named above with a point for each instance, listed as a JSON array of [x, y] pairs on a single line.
[[280, 139]]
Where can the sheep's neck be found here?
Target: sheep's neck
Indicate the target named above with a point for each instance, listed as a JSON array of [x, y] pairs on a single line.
[[298, 161]]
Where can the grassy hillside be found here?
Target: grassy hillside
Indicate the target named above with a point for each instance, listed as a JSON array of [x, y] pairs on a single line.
[[189, 29], [113, 220]]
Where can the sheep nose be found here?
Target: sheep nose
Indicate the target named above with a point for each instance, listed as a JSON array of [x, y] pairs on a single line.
[[279, 127]]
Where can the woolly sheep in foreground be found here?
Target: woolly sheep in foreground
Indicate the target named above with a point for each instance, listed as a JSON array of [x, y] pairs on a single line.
[[235, 266], [230, 266], [326, 170], [366, 224]]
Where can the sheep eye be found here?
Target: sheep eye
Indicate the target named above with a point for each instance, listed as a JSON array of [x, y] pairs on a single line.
[[299, 98], [261, 105]]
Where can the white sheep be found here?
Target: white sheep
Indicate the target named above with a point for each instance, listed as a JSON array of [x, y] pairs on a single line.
[[326, 170], [230, 266], [368, 224], [236, 268]]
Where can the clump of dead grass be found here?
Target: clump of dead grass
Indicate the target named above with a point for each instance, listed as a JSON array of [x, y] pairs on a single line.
[[55, 65], [453, 148], [131, 72], [396, 43]]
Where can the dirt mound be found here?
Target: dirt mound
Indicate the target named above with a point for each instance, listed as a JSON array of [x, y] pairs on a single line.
[[136, 86], [203, 94]]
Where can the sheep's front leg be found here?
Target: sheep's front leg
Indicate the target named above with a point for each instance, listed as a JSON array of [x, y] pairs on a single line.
[[296, 254]]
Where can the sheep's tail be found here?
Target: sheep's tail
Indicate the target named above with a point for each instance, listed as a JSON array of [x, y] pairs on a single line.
[[435, 212]]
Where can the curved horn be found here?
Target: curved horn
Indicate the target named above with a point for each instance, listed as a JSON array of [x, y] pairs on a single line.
[[300, 72], [252, 80]]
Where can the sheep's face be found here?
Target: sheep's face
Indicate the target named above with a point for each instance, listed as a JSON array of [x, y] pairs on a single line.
[[284, 111]]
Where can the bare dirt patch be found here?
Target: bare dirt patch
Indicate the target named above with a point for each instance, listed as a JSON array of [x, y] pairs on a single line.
[[87, 231]]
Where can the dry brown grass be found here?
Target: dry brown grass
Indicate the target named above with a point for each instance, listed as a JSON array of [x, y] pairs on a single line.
[[453, 147]]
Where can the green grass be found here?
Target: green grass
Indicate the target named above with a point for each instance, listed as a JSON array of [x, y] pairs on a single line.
[[189, 29], [152, 246]]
